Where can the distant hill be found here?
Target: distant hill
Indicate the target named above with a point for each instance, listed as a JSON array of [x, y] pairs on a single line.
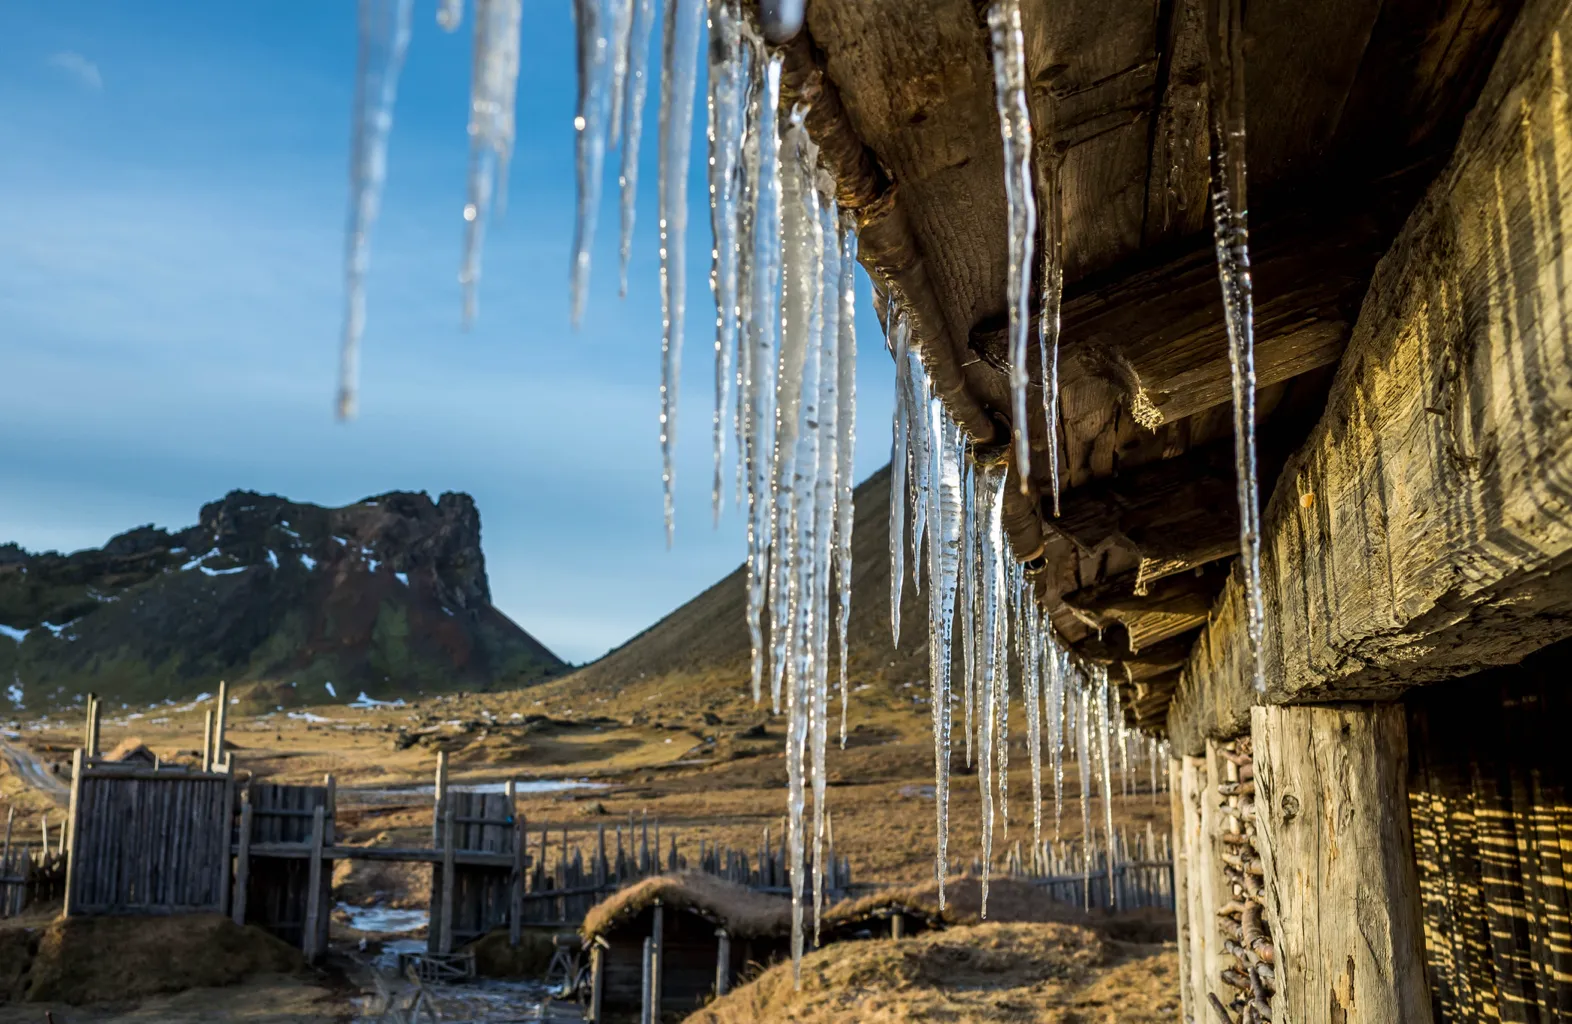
[[697, 658], [388, 595]]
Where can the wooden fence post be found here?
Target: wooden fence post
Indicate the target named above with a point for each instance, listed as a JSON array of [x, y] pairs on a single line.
[[1342, 890], [646, 995], [242, 861], [657, 958], [516, 880], [597, 980], [314, 909], [439, 797], [207, 741], [226, 826], [220, 758], [72, 887], [722, 962], [449, 865]]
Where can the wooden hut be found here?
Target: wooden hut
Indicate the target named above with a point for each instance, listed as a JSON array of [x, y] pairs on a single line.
[[890, 914], [675, 941], [1371, 833]]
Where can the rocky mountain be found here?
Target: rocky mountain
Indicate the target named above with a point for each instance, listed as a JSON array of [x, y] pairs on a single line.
[[386, 596]]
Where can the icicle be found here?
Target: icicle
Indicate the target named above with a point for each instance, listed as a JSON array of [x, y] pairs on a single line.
[[969, 597], [825, 433], [1052, 304], [846, 355], [991, 483], [1083, 732], [763, 331], [1230, 224], [900, 340], [640, 27], [1001, 687], [449, 14], [679, 73], [1015, 125], [589, 127], [1105, 730], [384, 38], [727, 100], [944, 555], [493, 89], [1031, 692], [920, 454]]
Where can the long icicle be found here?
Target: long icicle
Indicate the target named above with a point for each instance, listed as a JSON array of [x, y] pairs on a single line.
[[900, 340], [991, 483], [763, 333], [1230, 225], [493, 90], [846, 440], [1052, 306], [636, 88], [1105, 731], [727, 99], [384, 39], [589, 129], [823, 529], [944, 507], [1015, 125], [679, 74]]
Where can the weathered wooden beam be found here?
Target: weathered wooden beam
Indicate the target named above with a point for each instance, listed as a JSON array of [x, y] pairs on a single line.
[[1425, 528], [1342, 892], [1168, 607]]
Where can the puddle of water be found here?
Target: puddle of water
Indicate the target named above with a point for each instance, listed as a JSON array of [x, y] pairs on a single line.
[[524, 787], [381, 920]]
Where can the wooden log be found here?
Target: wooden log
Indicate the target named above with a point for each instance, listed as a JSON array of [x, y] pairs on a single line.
[[207, 740], [1424, 530], [1178, 820], [242, 862], [722, 962], [223, 827], [73, 825], [449, 871], [439, 797], [516, 878], [597, 982], [647, 994], [314, 925], [220, 756], [1342, 895]]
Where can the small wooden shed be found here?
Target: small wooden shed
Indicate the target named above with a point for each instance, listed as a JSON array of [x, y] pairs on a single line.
[[675, 941], [890, 914]]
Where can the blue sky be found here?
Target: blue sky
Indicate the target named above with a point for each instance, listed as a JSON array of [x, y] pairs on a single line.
[[173, 192]]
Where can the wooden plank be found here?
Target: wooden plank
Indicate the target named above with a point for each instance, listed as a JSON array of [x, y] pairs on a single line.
[[516, 877], [1425, 528], [73, 824], [312, 929], [242, 862], [449, 871], [1179, 822], [1332, 829], [657, 960]]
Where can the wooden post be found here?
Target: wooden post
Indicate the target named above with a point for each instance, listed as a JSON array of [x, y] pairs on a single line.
[[220, 756], [439, 797], [225, 829], [645, 994], [309, 940], [516, 880], [597, 980], [95, 717], [445, 936], [43, 827], [1181, 887], [657, 959], [331, 785], [1342, 893], [72, 887], [898, 926], [207, 741], [10, 819], [722, 962], [237, 904]]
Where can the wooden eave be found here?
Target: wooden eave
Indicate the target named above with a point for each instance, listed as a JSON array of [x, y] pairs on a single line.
[[1353, 106]]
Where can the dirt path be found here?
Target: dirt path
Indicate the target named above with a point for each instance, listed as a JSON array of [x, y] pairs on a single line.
[[33, 771]]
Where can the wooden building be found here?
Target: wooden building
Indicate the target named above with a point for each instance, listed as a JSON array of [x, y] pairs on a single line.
[[1380, 834], [676, 941], [889, 914]]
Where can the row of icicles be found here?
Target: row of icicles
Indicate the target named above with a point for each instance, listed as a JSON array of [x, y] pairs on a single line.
[[782, 274]]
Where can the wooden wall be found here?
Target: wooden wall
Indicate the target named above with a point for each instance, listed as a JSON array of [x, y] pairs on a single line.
[[146, 842], [278, 889], [1490, 766]]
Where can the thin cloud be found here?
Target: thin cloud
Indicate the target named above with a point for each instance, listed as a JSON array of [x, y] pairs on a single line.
[[78, 67]]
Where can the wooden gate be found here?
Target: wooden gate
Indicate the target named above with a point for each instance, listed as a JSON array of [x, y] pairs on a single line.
[[283, 882], [471, 897], [148, 841]]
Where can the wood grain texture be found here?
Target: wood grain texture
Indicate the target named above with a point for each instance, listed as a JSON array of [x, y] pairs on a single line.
[[1425, 529], [1342, 895]]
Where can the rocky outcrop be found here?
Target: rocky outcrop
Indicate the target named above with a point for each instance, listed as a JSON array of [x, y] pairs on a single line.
[[388, 595]]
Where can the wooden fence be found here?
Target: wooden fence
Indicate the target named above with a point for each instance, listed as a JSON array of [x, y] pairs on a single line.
[[147, 841], [279, 885], [28, 875]]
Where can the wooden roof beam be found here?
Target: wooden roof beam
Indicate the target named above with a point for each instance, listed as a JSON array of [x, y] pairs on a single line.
[[1425, 528]]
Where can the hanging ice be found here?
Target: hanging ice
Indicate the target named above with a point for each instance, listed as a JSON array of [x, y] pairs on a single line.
[[900, 340], [1052, 304], [449, 14], [944, 557], [679, 74], [1015, 124], [1031, 693], [492, 92], [640, 26], [991, 483], [846, 354], [384, 38], [589, 130], [1230, 225], [729, 71], [822, 534], [1105, 732], [762, 330]]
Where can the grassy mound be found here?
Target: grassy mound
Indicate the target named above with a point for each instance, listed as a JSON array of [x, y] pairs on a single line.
[[1027, 973], [494, 958], [110, 959], [17, 946]]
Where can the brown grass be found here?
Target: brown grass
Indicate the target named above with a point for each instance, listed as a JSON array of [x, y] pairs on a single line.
[[113, 959], [741, 911], [1027, 973]]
